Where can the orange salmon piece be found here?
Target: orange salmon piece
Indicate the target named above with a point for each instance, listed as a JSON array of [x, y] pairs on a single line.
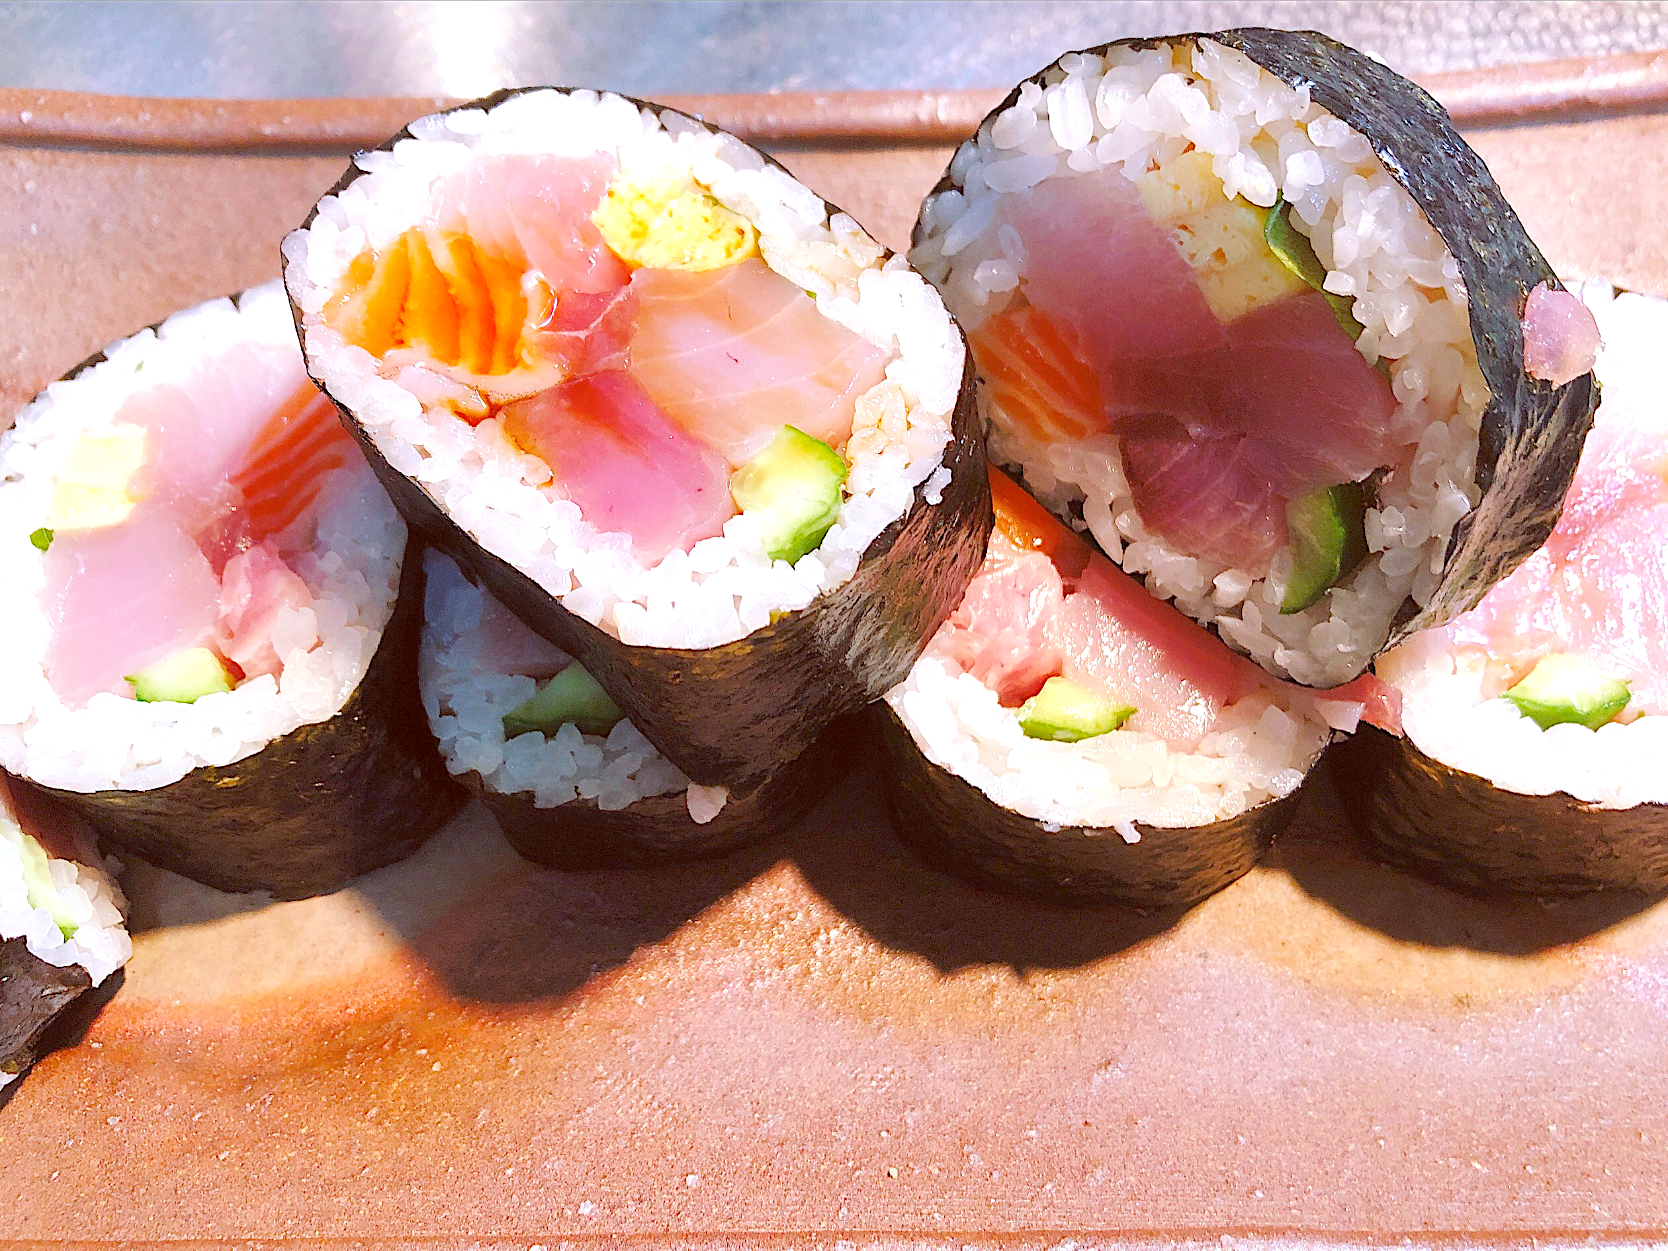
[[1032, 528], [279, 478], [1037, 374]]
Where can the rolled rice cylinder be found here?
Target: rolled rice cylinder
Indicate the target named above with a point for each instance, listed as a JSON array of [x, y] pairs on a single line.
[[580, 788], [687, 421], [61, 928], [1247, 309], [1533, 753], [1068, 736], [213, 620]]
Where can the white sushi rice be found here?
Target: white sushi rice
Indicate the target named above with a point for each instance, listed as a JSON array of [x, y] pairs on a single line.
[[1256, 750], [1451, 705], [725, 587], [1135, 110], [88, 901], [352, 571], [466, 699]]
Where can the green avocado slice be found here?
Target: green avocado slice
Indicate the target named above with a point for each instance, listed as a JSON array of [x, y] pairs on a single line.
[[182, 678], [793, 486], [1569, 690], [1328, 537], [1065, 712], [1298, 255], [573, 695]]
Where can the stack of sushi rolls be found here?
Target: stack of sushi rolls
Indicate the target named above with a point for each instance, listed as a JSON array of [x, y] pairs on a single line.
[[61, 931], [1533, 753], [665, 407], [213, 614], [1248, 312]]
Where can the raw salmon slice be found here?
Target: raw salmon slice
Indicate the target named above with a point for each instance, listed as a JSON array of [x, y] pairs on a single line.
[[297, 447], [1037, 374]]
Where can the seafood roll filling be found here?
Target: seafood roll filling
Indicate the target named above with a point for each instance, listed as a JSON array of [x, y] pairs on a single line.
[[1216, 333], [628, 357]]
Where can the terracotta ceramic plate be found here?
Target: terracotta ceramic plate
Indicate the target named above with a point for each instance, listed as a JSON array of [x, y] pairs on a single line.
[[819, 1041]]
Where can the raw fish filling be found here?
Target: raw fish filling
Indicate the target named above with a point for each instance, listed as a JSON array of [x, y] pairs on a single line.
[[624, 332], [179, 536], [1193, 328], [1079, 648]]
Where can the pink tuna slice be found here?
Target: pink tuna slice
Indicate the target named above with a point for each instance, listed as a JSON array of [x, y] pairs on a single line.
[[508, 646], [586, 334], [1307, 409], [1202, 494], [1599, 585], [735, 354], [255, 587], [1560, 336], [536, 209], [998, 632], [1123, 642], [628, 467], [121, 599]]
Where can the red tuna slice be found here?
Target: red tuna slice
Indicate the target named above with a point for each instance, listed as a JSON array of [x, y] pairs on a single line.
[[735, 354], [536, 209], [625, 463], [122, 598], [1118, 639], [1314, 412], [1560, 336], [998, 632], [255, 587], [507, 646], [1202, 494], [1095, 260]]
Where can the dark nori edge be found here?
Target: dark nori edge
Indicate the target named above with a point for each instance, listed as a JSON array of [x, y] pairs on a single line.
[[1532, 433], [32, 994], [314, 808], [659, 830], [732, 715], [957, 826], [1466, 832]]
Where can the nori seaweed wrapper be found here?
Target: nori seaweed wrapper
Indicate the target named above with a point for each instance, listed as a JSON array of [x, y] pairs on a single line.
[[1463, 830], [32, 995], [732, 715], [658, 829], [314, 808], [957, 826], [1532, 432]]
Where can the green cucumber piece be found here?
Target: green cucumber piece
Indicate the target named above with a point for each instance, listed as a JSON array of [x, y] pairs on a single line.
[[1064, 712], [793, 487], [182, 678], [37, 880], [1569, 690], [1297, 254], [42, 539], [574, 697], [1328, 537]]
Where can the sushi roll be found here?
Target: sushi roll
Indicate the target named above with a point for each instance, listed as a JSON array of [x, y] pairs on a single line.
[[572, 782], [213, 622], [690, 424], [61, 931], [1069, 736], [1247, 309], [1533, 753]]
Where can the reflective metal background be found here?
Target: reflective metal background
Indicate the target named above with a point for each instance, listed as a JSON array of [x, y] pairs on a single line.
[[282, 48]]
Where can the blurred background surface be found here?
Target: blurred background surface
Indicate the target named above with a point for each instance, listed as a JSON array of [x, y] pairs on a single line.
[[289, 48]]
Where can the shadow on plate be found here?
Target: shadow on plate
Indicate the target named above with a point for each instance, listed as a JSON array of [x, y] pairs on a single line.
[[68, 1028]]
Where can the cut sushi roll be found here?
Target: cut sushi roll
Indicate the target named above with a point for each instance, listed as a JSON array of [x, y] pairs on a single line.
[[690, 424], [61, 931], [1247, 309], [212, 621], [572, 782], [1069, 736], [1534, 729]]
